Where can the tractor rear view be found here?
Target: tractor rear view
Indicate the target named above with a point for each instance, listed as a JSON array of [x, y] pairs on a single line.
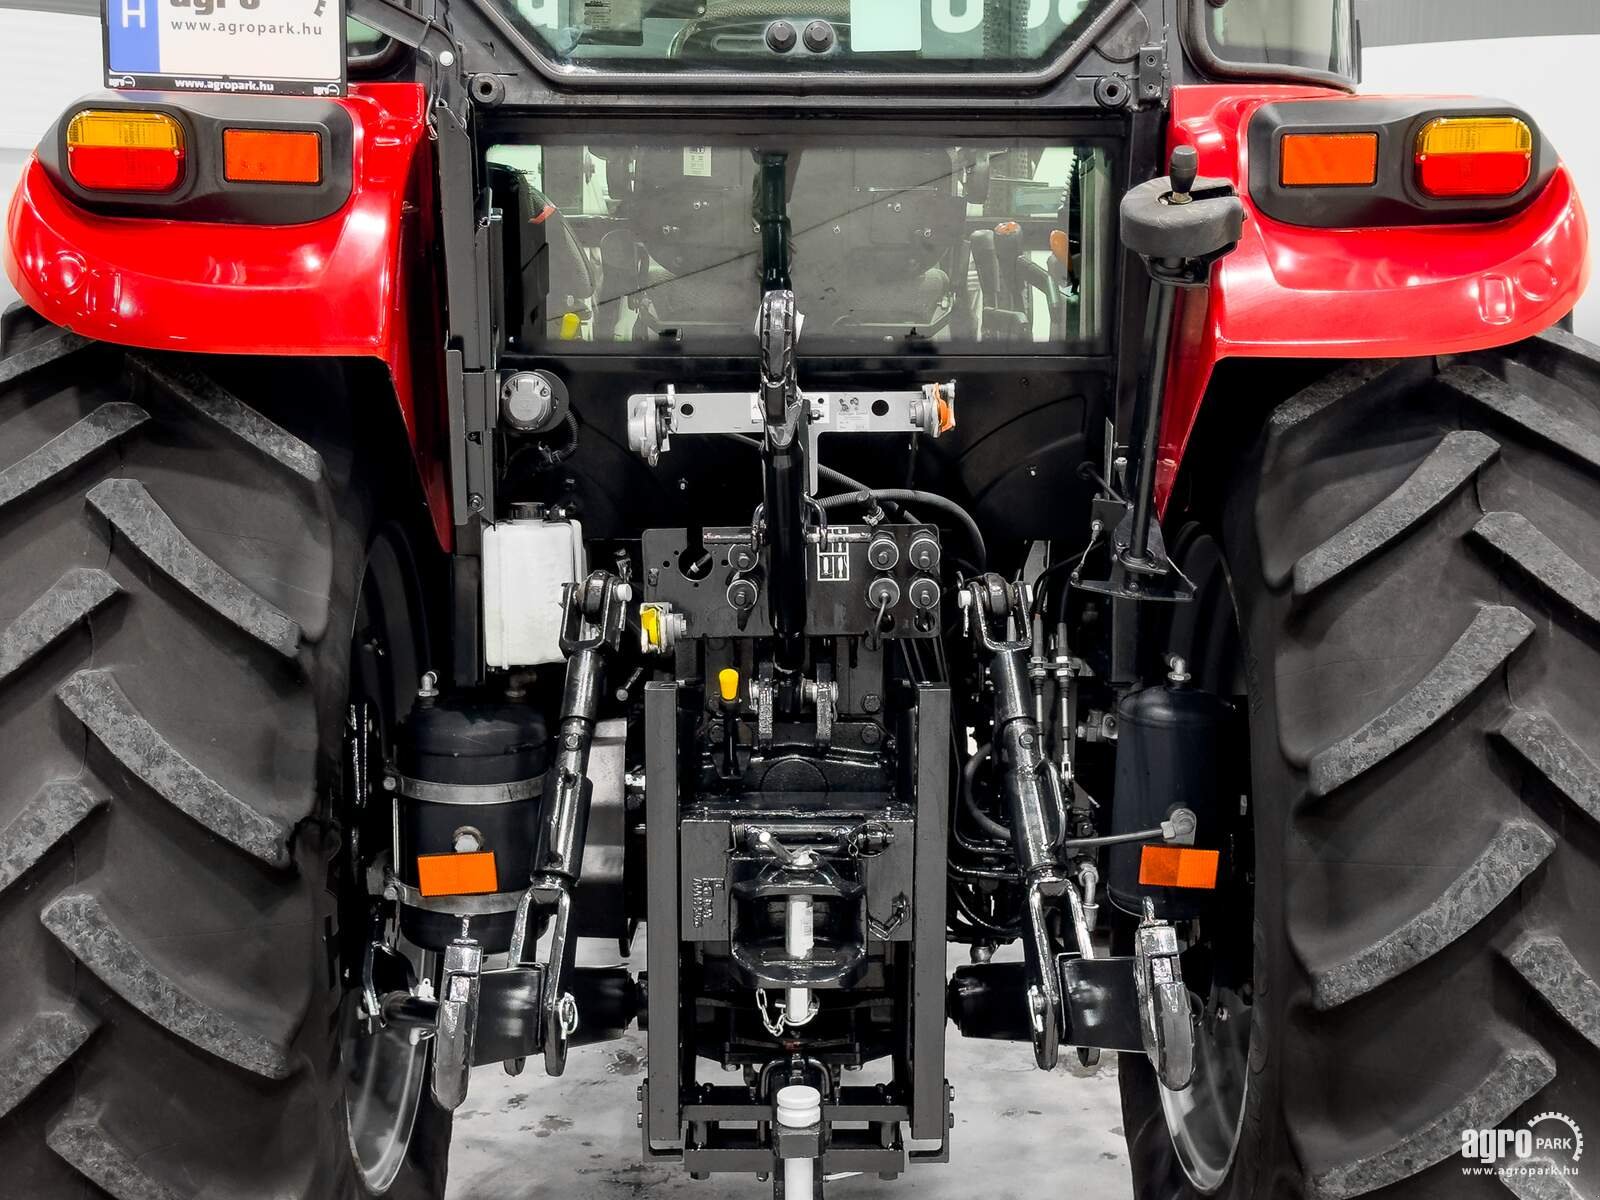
[[778, 491]]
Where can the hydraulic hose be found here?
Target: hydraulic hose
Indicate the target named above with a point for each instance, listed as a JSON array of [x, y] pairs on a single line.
[[921, 500], [969, 801], [828, 473]]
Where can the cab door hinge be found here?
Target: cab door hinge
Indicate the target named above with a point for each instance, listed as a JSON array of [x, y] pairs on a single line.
[[1152, 79]]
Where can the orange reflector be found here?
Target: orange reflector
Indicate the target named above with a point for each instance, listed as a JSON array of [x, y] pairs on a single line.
[[1328, 160], [1178, 866], [271, 156], [1474, 156], [124, 150], [457, 874]]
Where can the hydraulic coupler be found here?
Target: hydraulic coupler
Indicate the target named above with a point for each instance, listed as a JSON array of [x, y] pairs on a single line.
[[591, 633]]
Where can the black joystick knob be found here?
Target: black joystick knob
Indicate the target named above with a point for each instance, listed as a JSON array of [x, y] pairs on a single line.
[[1185, 167]]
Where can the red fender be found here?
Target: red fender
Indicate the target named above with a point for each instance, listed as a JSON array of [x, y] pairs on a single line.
[[1291, 292], [357, 283]]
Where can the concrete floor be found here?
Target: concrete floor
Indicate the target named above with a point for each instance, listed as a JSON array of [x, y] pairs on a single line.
[[574, 1137]]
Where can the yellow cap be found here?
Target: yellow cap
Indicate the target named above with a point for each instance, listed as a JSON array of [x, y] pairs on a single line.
[[728, 682], [571, 326], [650, 623]]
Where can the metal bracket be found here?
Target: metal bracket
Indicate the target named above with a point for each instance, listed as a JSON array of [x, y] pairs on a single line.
[[825, 697], [1152, 79], [653, 418], [1165, 1017], [765, 692], [458, 1020]]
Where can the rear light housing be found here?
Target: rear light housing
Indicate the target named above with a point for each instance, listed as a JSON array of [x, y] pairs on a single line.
[[241, 160], [1474, 156], [1385, 161], [125, 150]]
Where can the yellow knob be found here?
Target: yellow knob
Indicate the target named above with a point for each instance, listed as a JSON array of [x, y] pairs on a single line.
[[728, 683], [650, 623]]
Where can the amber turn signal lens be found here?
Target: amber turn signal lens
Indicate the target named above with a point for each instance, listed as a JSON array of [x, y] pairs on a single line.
[[271, 156], [124, 150], [1328, 160], [1483, 157]]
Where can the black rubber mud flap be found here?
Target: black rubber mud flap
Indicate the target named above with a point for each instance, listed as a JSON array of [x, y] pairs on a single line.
[[181, 544], [1415, 551]]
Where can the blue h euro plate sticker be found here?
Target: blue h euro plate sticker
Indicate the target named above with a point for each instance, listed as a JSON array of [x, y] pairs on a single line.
[[263, 47]]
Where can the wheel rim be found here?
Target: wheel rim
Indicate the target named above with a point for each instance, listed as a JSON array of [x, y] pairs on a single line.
[[1206, 1119], [384, 1079], [384, 1073]]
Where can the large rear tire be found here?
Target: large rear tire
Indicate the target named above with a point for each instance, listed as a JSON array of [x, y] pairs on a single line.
[[184, 546], [1414, 552]]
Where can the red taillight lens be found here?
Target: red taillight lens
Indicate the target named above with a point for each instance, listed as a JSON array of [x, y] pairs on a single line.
[[119, 150], [1480, 157]]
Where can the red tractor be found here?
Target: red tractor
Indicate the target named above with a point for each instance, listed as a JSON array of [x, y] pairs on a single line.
[[421, 553]]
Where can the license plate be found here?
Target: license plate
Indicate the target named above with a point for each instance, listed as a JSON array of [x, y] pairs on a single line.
[[262, 47]]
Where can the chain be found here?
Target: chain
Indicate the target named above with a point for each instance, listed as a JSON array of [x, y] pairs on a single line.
[[776, 1025]]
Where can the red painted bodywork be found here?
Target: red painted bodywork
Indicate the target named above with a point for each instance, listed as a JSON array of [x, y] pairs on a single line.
[[360, 282], [1292, 292], [357, 283]]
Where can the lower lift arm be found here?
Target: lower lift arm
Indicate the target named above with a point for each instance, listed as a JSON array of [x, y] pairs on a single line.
[[1070, 994]]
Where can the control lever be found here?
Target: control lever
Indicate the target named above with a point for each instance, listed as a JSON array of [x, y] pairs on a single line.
[[1180, 225], [591, 634], [1008, 252]]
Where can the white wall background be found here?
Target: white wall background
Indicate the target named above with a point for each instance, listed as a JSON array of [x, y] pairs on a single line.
[[48, 59]]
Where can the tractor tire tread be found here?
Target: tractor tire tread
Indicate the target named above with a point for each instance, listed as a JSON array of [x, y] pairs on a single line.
[[54, 812], [69, 601], [1493, 636], [79, 1138], [92, 434], [38, 1050], [94, 697], [133, 513], [1443, 473], [83, 926]]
